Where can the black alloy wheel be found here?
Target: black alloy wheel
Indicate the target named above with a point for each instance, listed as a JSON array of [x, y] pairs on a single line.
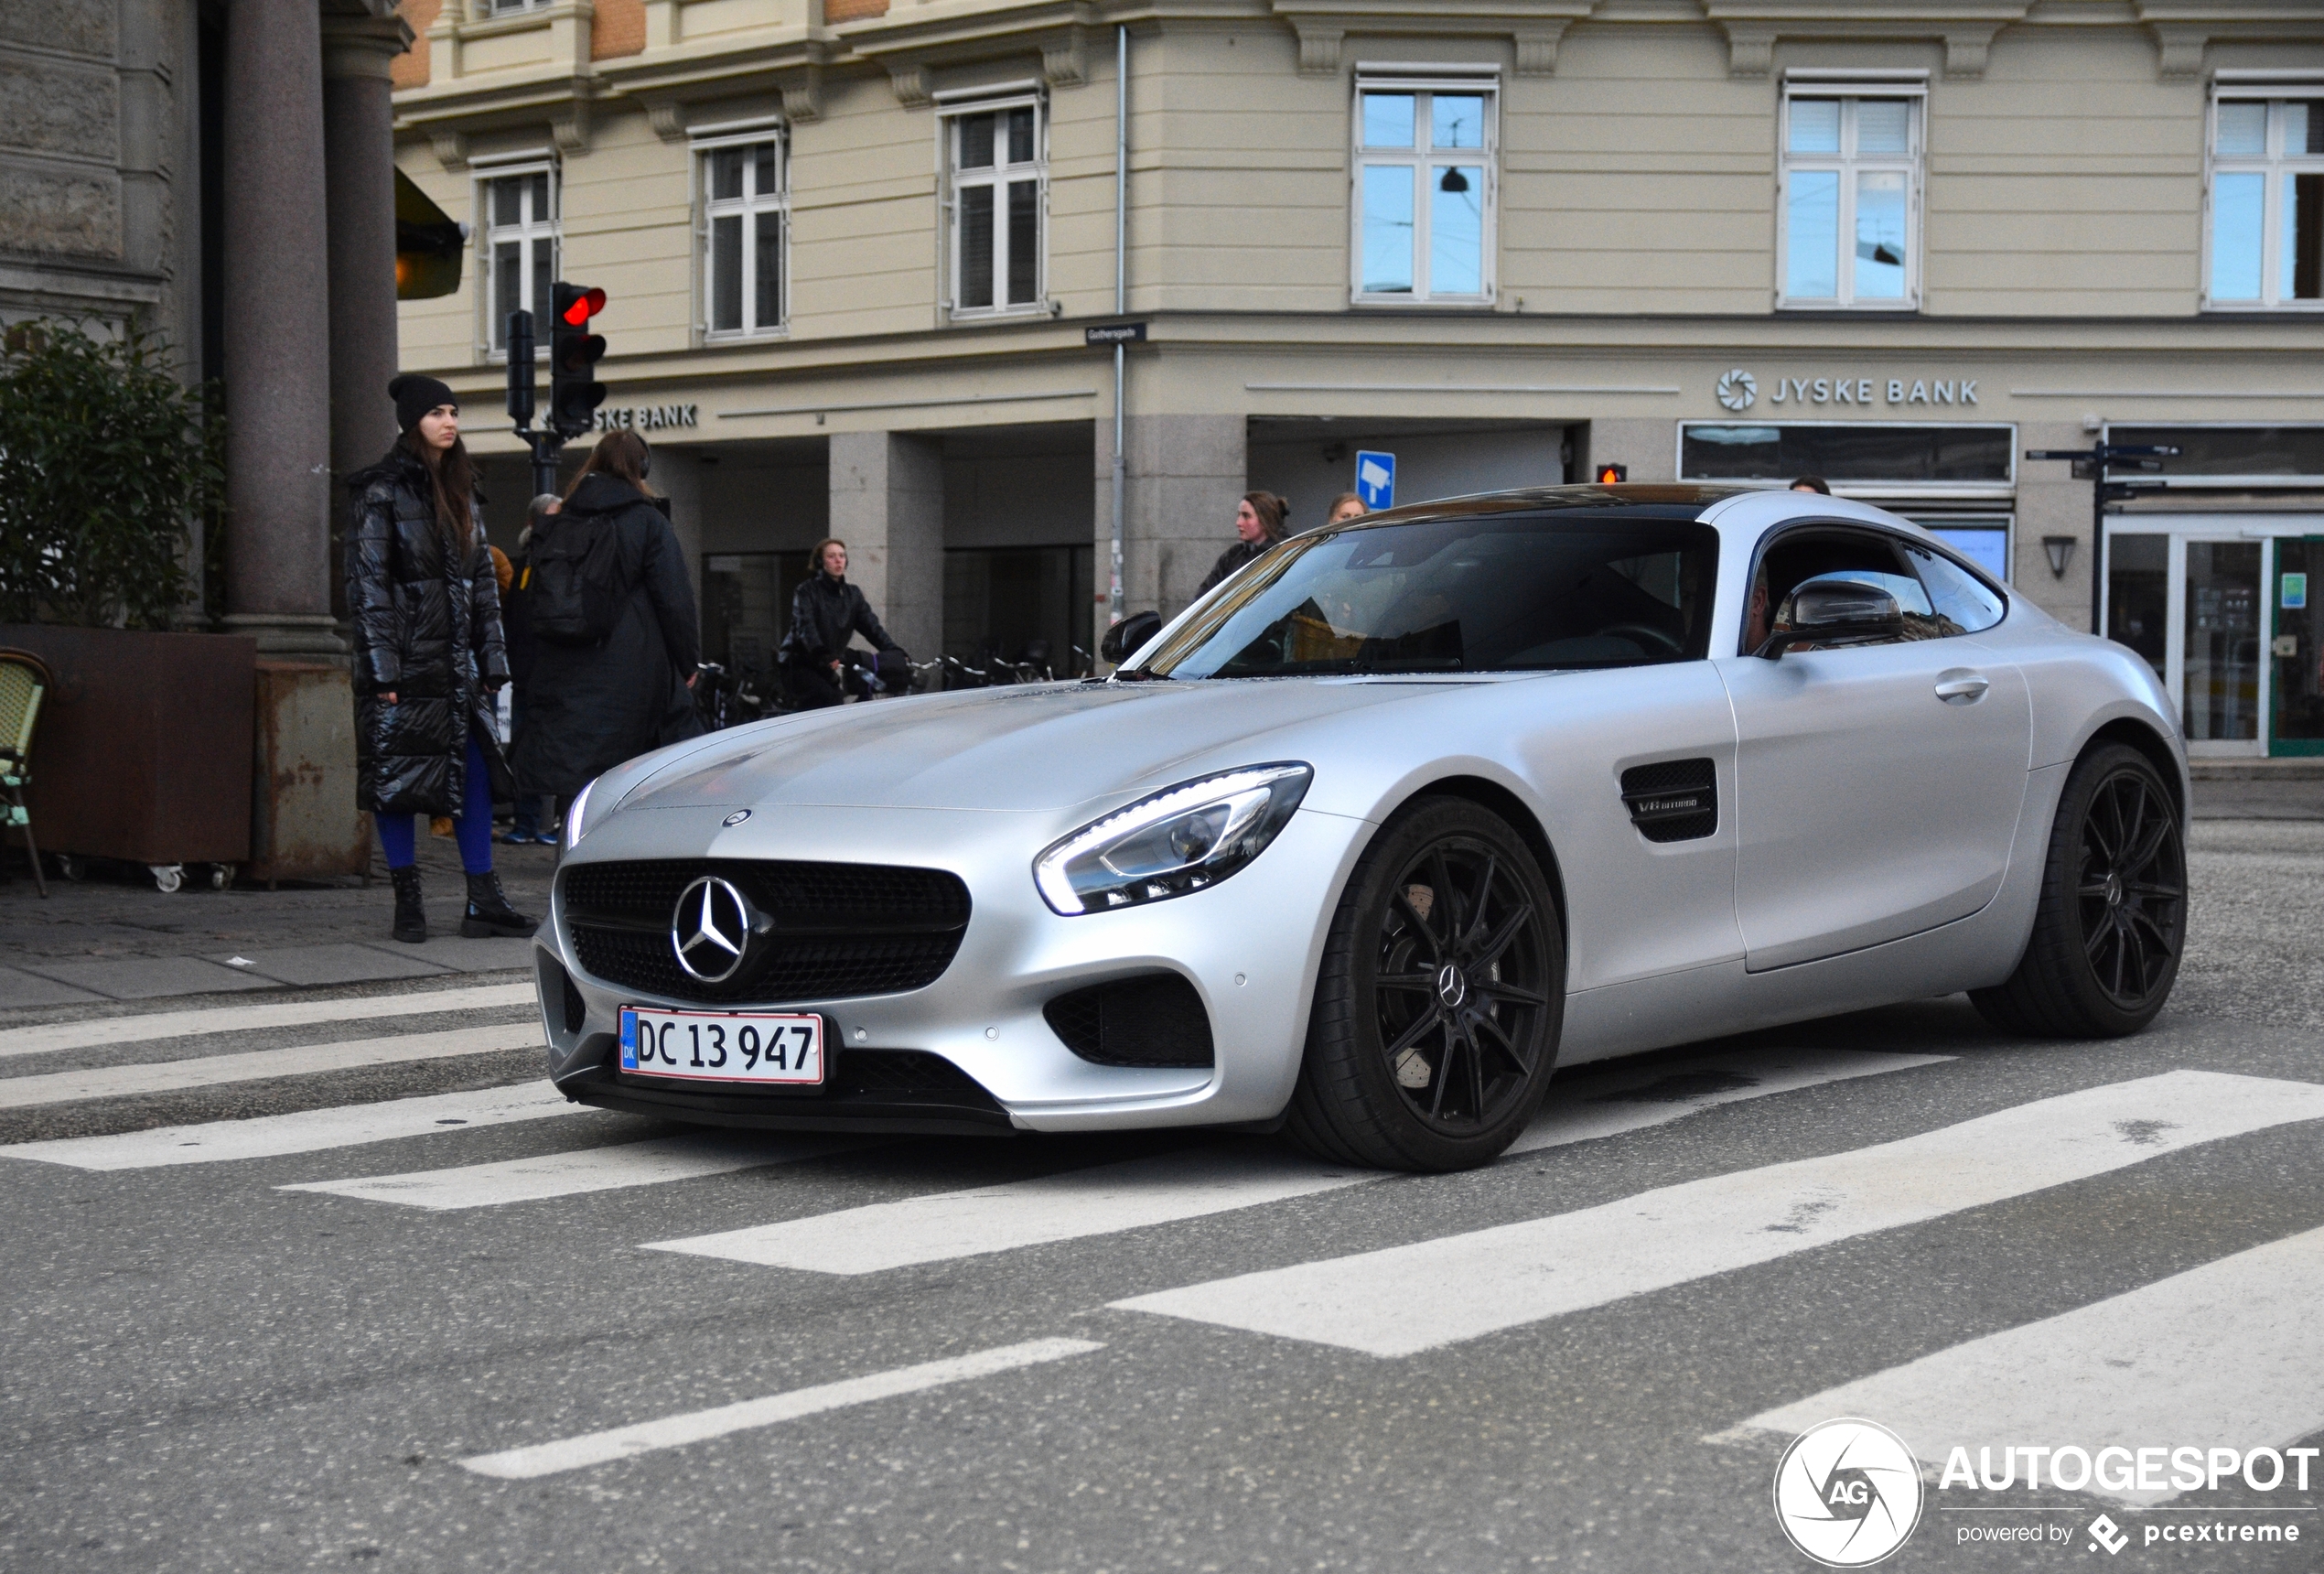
[[1435, 1029], [2112, 921]]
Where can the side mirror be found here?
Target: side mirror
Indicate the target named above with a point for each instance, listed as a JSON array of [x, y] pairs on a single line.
[[1834, 609], [1121, 641]]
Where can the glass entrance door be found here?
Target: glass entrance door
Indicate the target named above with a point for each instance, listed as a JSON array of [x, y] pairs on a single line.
[[2296, 647], [2219, 614], [2188, 597]]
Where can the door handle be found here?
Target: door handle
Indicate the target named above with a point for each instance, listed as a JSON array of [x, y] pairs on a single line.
[[1959, 686]]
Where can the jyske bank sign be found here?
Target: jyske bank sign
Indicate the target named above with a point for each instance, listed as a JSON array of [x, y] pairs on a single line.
[[1739, 389]]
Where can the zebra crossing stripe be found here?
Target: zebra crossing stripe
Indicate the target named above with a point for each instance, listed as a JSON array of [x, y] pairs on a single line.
[[697, 1426], [1408, 1298], [1170, 1187], [622, 1164], [153, 1026], [306, 1131], [175, 1076], [2223, 1356]]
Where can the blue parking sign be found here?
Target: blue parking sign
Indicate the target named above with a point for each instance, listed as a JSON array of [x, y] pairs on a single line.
[[1376, 478]]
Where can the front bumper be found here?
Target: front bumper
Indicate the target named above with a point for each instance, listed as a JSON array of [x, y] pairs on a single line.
[[1250, 945]]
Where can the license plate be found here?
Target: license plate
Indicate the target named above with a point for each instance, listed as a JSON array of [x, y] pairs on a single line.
[[759, 1046]]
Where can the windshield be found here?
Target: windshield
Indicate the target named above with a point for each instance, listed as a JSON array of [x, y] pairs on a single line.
[[1498, 593]]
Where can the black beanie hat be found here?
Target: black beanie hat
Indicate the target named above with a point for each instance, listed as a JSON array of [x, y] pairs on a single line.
[[416, 396]]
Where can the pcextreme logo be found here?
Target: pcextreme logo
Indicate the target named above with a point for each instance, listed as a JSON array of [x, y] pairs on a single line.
[[1847, 1492]]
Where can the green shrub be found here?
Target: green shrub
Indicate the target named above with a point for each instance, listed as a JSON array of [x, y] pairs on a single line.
[[107, 464]]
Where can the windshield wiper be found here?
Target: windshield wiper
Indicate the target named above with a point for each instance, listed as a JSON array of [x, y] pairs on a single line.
[[1142, 676]]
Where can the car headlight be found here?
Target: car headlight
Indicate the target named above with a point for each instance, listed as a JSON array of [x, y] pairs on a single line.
[[1182, 839], [576, 814]]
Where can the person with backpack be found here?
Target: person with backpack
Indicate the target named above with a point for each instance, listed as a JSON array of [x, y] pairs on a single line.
[[426, 608], [616, 638]]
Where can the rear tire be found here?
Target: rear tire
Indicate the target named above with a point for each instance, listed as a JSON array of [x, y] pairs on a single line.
[[2113, 916], [1438, 1006]]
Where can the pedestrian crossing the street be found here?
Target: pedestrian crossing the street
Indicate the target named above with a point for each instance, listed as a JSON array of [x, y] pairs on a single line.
[[2118, 1366]]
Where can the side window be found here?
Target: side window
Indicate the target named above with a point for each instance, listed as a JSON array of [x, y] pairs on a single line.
[[1797, 556], [1957, 598]]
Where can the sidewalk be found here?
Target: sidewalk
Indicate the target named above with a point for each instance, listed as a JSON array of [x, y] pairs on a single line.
[[112, 938]]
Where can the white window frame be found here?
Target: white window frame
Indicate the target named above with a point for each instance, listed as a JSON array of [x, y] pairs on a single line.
[[950, 110], [1420, 80], [529, 228], [2273, 166], [704, 142], [1850, 91]]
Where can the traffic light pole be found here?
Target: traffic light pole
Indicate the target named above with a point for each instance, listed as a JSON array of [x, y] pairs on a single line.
[[543, 445], [2095, 459]]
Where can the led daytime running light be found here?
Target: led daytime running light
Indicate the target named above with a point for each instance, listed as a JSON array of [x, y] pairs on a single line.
[[575, 811], [1284, 783]]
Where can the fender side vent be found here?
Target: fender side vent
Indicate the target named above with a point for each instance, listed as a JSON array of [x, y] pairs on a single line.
[[1152, 1020], [1673, 800]]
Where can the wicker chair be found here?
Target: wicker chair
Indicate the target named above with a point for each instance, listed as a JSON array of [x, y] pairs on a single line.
[[24, 679]]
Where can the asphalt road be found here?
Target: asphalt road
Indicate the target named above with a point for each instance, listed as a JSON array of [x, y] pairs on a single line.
[[481, 1330]]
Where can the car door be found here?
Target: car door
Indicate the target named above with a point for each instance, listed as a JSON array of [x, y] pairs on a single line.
[[1878, 785]]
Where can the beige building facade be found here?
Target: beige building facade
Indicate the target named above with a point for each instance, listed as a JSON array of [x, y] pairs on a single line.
[[854, 251]]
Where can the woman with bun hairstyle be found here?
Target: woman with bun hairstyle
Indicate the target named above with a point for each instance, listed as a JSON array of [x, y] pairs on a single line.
[[425, 605], [1259, 522]]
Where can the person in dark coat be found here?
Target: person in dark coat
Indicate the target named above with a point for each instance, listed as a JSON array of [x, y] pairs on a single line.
[[1258, 521], [535, 818], [589, 708], [429, 653], [824, 612]]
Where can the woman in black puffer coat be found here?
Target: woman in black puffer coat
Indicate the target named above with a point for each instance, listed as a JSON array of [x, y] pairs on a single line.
[[428, 655], [589, 706]]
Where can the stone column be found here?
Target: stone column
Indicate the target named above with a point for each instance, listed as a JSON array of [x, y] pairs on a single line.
[[1185, 474], [887, 505], [277, 323], [359, 155]]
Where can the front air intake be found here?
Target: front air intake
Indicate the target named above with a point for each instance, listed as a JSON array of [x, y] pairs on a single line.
[[1673, 800], [1151, 1020]]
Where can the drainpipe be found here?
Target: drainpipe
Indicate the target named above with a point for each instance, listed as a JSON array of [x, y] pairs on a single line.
[[1121, 290]]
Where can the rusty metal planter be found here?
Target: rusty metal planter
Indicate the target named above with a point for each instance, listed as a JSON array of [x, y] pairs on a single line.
[[144, 749]]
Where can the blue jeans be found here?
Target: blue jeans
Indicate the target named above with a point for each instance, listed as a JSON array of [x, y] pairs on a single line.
[[398, 834]]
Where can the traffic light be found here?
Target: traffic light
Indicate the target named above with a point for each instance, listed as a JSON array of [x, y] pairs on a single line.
[[575, 392], [520, 389], [1611, 475]]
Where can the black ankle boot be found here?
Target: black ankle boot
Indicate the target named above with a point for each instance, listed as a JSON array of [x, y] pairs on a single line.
[[488, 910], [411, 918]]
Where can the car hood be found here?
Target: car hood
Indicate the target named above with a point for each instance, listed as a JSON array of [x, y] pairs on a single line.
[[1035, 748]]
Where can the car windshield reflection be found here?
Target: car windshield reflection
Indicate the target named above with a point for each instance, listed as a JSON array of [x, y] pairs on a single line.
[[1498, 593]]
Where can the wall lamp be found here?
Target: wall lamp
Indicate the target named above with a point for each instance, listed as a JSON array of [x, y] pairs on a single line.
[[2062, 553]]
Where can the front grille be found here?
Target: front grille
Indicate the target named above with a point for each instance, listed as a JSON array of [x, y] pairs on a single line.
[[1674, 801], [838, 930], [1153, 1020]]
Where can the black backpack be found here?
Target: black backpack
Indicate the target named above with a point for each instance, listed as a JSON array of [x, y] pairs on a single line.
[[576, 590]]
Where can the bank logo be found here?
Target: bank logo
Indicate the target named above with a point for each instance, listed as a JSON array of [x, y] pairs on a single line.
[[2106, 1532], [1738, 389], [1847, 1492]]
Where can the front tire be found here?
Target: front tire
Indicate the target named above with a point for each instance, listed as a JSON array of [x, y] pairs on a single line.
[[2112, 918], [1438, 1006]]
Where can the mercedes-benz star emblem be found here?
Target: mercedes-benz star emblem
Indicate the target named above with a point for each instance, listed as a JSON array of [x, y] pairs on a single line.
[[710, 930]]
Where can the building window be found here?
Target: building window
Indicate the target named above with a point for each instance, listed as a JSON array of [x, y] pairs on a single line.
[[1892, 459], [2268, 202], [1425, 161], [1983, 539], [1850, 200], [998, 159], [520, 248], [746, 214], [510, 7]]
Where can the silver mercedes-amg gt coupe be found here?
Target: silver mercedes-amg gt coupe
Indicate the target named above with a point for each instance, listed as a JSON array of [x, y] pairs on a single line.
[[1400, 818]]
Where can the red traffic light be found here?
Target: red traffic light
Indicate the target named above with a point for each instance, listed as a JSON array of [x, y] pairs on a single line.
[[1610, 474], [584, 305]]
